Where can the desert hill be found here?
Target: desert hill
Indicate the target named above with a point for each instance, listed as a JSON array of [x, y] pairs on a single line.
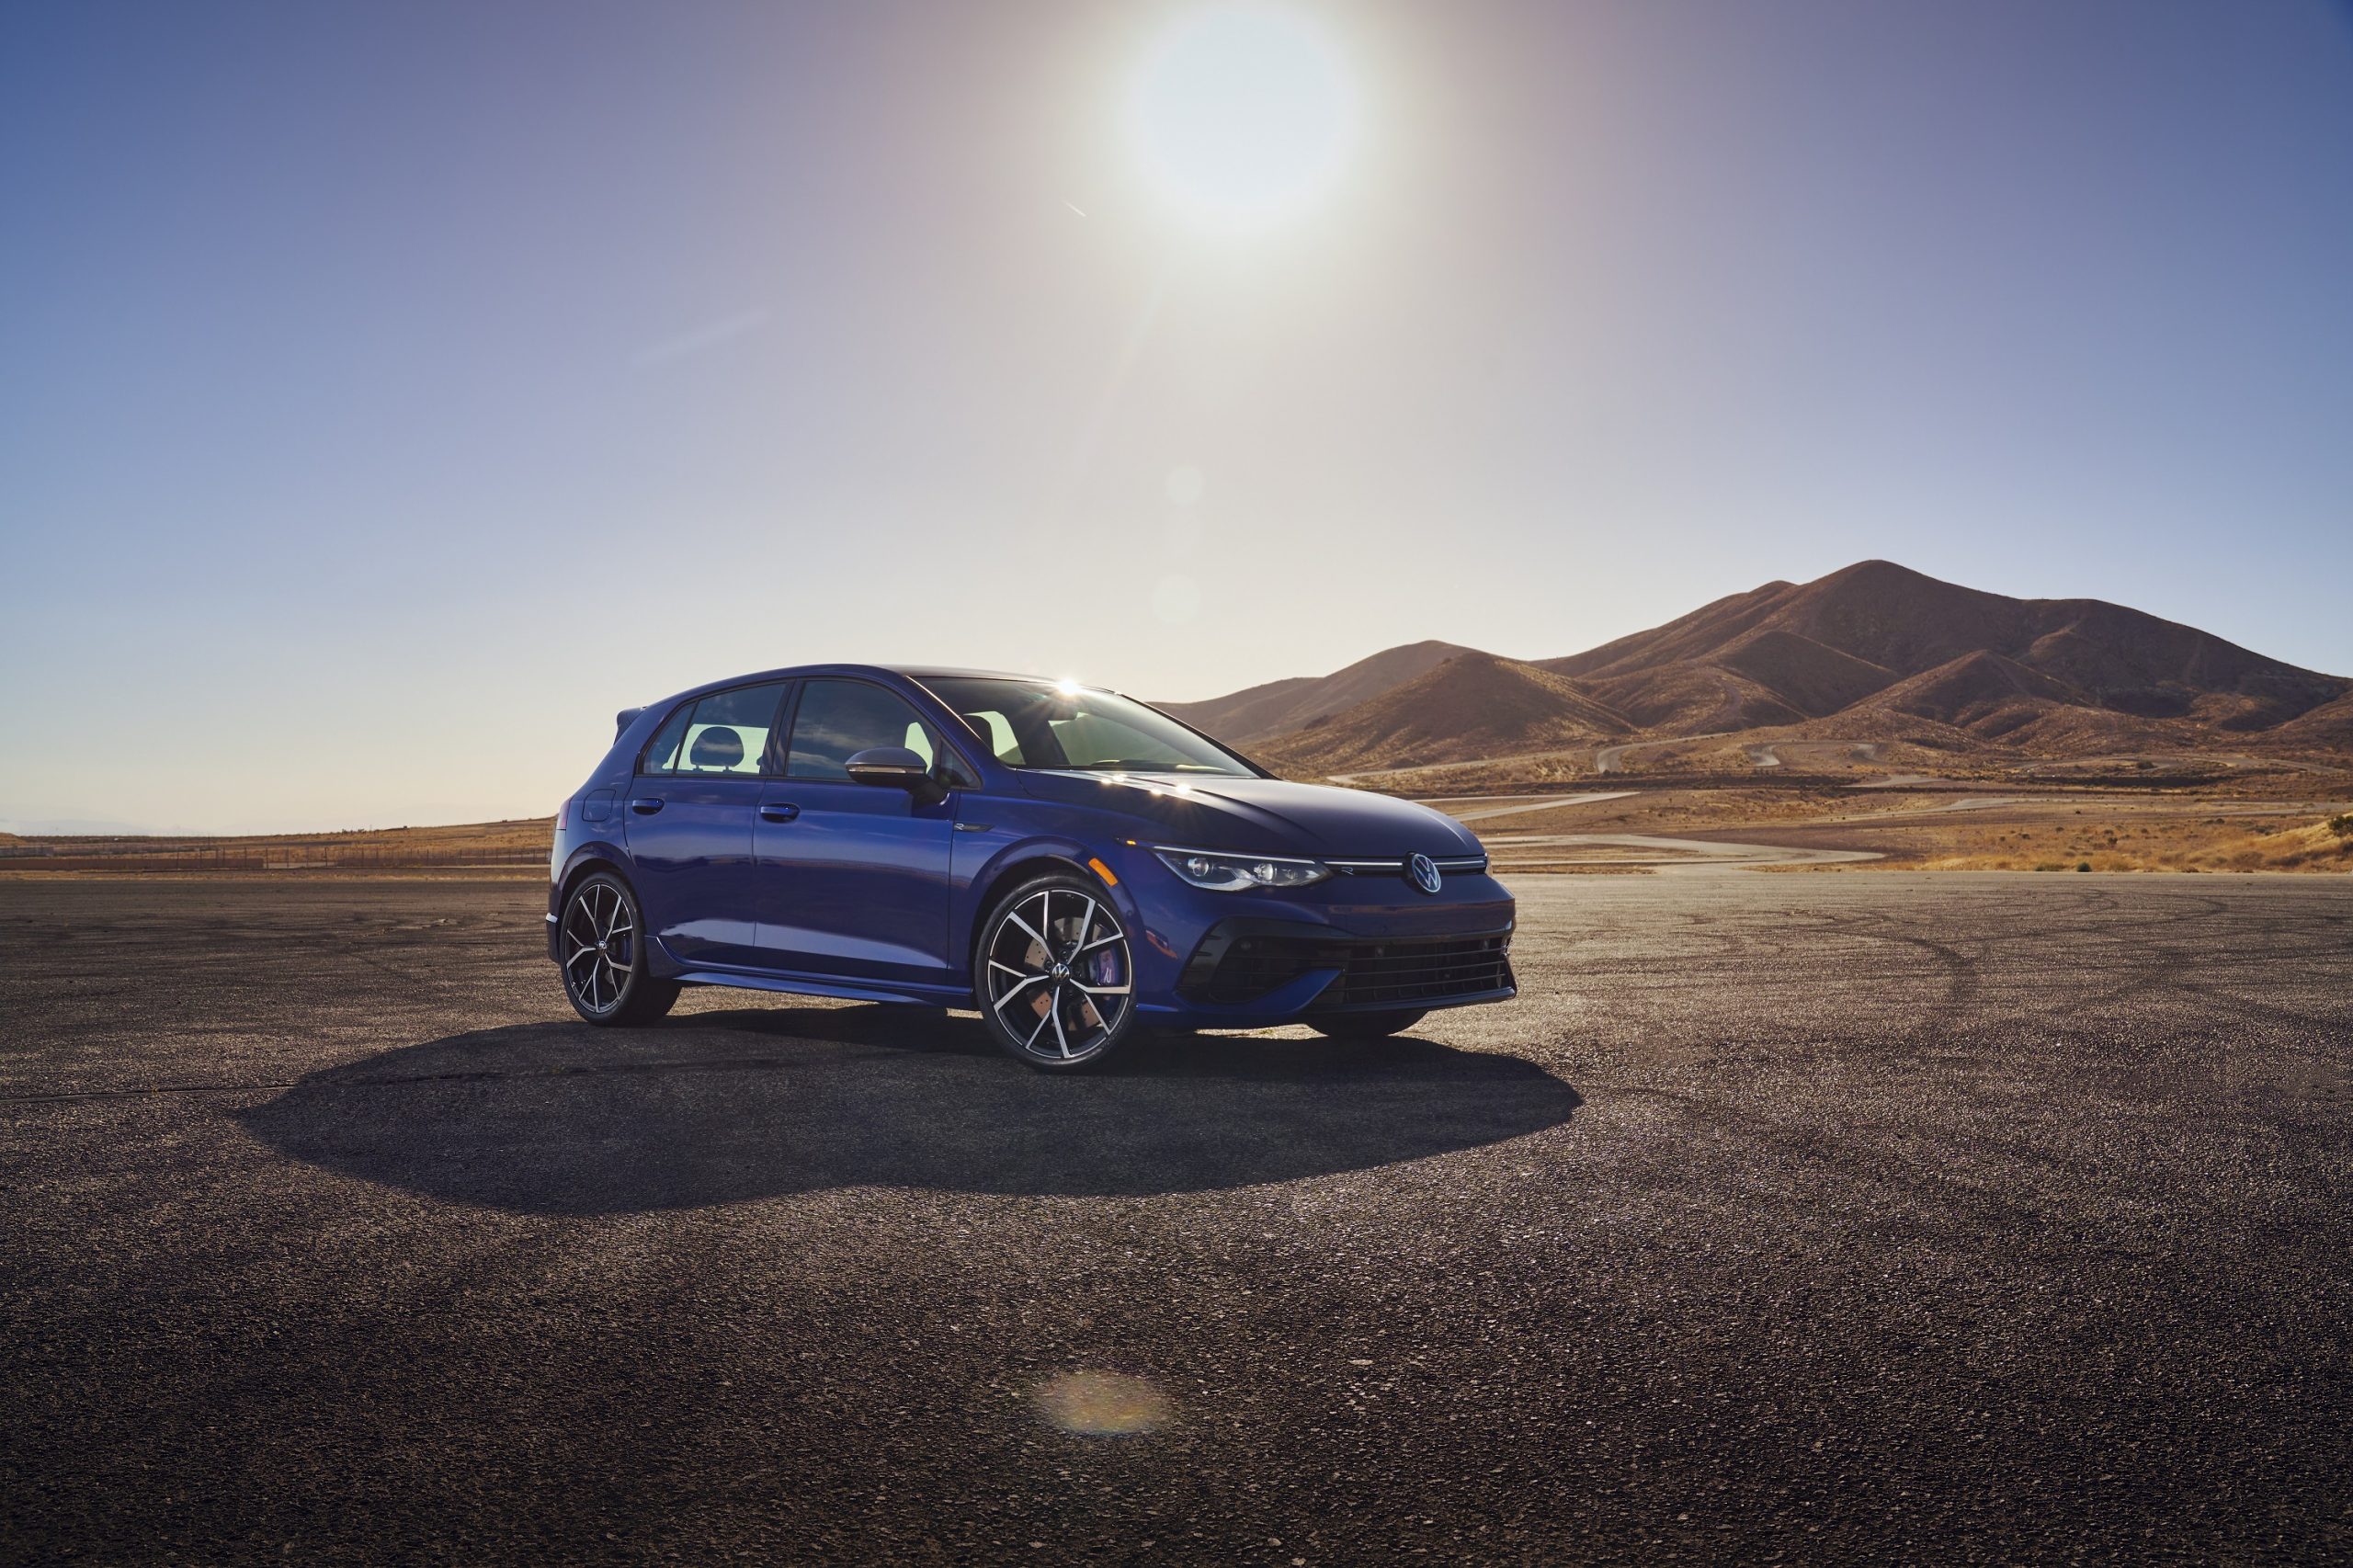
[[1473, 704], [1284, 705], [1875, 647]]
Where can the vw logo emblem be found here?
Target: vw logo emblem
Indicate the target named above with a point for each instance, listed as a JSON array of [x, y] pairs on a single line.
[[1424, 872]]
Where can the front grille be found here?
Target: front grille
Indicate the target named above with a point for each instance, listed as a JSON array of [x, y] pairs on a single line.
[[1419, 971], [1371, 974]]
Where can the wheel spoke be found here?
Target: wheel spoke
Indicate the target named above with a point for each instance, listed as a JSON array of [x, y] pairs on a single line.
[[1102, 990], [1032, 1041], [1016, 990], [1054, 1011], [1014, 918], [1098, 942], [1086, 923]]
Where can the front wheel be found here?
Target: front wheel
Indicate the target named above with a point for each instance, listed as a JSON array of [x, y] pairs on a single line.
[[1054, 977], [1368, 1025], [602, 943]]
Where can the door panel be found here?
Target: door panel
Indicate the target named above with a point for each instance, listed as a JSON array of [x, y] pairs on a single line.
[[855, 882], [694, 862], [689, 823]]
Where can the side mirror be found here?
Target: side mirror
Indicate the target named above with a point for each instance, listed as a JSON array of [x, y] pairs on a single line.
[[896, 767]]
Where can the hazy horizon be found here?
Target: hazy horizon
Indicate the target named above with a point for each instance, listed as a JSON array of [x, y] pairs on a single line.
[[396, 394]]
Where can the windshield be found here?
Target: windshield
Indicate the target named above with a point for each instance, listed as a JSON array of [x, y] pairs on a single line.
[[1038, 725]]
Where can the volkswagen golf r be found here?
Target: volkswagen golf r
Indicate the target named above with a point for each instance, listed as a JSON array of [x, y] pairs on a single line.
[[1070, 862]]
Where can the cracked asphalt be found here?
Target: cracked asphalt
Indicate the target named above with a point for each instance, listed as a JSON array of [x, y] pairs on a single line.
[[1804, 1218]]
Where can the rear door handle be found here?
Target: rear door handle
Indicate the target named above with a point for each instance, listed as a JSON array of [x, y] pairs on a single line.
[[646, 805], [778, 811]]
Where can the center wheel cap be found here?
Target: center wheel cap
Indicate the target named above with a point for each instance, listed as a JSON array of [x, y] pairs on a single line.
[[1060, 972]]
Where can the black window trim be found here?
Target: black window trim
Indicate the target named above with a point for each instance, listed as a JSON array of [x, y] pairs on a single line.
[[788, 694], [970, 776]]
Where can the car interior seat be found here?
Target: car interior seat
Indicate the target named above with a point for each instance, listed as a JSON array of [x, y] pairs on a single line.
[[717, 750]]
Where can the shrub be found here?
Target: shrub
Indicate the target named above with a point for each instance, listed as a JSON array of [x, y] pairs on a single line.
[[2341, 825], [2083, 865]]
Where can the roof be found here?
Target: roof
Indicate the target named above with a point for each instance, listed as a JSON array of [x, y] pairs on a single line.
[[930, 672]]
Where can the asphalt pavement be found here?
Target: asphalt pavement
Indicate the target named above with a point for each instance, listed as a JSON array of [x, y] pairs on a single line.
[[1802, 1217]]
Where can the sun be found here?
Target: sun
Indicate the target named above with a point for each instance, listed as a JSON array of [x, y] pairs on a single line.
[[1241, 116]]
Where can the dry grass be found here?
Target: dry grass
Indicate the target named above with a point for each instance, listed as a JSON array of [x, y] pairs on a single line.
[[518, 848], [2211, 844]]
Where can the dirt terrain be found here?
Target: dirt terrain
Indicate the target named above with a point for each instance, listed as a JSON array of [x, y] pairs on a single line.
[[519, 848], [1823, 1219], [1932, 826]]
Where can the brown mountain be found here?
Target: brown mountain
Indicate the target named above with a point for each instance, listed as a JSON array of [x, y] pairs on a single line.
[[1284, 705], [1876, 645], [1471, 705], [1814, 649], [2328, 726]]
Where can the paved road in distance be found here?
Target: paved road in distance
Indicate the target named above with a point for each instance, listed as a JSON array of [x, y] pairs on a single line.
[[1830, 1216]]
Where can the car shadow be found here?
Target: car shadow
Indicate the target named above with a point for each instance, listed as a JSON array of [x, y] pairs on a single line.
[[722, 1106]]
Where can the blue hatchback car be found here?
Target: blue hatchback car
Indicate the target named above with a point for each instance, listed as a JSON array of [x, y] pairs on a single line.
[[1072, 863]]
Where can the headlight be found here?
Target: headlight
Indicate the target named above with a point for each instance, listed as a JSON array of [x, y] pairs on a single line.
[[1232, 873]]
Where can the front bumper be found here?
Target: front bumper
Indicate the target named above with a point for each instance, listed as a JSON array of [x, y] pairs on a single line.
[[1257, 964], [1370, 949]]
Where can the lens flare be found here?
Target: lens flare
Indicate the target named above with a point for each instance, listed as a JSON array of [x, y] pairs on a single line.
[[1101, 1404]]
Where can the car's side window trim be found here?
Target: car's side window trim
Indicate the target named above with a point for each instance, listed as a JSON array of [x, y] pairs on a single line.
[[940, 737], [788, 691], [780, 740]]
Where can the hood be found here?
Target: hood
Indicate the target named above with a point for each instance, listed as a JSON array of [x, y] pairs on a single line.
[[1261, 816]]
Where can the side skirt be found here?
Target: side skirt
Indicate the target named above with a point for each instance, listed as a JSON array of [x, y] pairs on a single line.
[[797, 985]]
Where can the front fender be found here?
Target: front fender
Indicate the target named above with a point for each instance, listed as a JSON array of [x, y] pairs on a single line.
[[993, 854]]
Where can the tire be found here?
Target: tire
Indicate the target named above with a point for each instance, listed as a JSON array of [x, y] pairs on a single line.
[[603, 955], [1368, 1025], [1054, 974]]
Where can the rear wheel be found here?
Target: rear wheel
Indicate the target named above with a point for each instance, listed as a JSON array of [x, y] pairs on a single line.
[[1054, 977], [601, 944], [1368, 1025]]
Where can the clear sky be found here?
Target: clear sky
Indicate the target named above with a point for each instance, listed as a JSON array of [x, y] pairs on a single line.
[[392, 391]]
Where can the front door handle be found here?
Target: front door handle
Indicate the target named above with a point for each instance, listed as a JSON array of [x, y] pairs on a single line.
[[646, 805], [778, 811]]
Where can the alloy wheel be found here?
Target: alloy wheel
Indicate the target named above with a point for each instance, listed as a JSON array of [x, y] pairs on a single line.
[[599, 946], [1060, 979]]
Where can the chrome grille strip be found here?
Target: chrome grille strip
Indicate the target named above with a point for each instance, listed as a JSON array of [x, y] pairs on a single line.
[[1397, 868]]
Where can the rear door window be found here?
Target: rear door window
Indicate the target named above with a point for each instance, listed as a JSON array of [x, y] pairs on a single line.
[[725, 732]]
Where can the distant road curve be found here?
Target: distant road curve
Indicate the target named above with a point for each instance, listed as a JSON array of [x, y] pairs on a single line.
[[1544, 805], [1660, 854], [1605, 760], [1609, 758]]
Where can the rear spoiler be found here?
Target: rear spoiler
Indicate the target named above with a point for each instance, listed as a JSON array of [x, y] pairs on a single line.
[[621, 721]]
